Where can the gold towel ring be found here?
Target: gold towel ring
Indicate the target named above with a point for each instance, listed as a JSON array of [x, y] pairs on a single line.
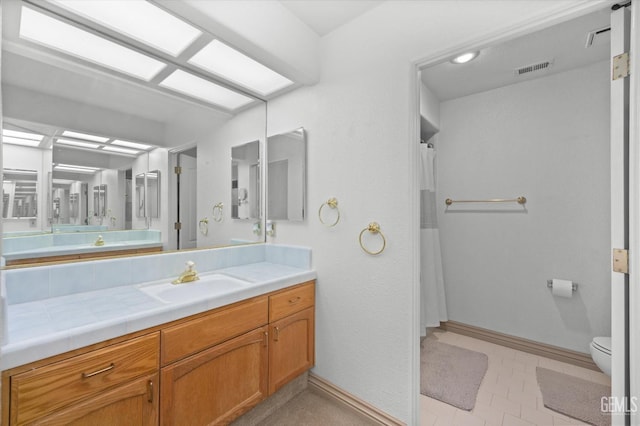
[[217, 212], [333, 204], [374, 228]]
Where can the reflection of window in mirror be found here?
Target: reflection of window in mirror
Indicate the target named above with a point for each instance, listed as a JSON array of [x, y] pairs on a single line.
[[286, 176]]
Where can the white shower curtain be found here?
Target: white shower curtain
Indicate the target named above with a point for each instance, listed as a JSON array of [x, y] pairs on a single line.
[[433, 308]]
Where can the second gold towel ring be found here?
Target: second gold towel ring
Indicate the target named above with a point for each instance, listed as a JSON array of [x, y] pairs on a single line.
[[374, 228], [217, 212], [333, 204]]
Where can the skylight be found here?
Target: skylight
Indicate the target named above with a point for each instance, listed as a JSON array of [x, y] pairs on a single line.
[[77, 143], [84, 136], [50, 32], [74, 168], [22, 135], [16, 137], [226, 62], [120, 150], [139, 20], [18, 141], [130, 144], [205, 90]]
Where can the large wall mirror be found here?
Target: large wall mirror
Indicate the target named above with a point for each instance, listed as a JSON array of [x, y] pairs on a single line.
[[286, 194], [89, 147]]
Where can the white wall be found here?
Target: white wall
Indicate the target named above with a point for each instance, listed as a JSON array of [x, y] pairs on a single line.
[[429, 106], [358, 119], [547, 139]]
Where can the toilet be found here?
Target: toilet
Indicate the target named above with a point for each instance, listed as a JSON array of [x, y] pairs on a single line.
[[601, 353]]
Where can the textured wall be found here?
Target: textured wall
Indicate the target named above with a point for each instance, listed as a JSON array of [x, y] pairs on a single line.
[[360, 150], [547, 139]]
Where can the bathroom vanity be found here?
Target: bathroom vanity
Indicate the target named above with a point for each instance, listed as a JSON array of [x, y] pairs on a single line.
[[205, 366]]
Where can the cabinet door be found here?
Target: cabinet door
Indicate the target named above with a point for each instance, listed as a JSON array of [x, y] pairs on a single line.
[[292, 348], [216, 385], [134, 403]]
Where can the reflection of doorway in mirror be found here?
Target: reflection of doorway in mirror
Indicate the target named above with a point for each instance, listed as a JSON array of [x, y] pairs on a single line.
[[187, 199]]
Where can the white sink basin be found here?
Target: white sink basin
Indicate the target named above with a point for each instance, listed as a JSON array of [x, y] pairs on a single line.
[[206, 286]]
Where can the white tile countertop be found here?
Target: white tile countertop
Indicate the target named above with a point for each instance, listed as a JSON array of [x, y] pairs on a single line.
[[81, 248], [40, 327]]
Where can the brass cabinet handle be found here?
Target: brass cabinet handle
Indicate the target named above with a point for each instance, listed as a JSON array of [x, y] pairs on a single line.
[[266, 338], [276, 334], [95, 373], [294, 300], [150, 391]]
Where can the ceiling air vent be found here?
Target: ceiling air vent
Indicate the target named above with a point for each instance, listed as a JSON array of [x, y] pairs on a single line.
[[533, 68]]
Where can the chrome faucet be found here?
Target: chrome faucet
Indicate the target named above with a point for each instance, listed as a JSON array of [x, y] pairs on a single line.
[[189, 274]]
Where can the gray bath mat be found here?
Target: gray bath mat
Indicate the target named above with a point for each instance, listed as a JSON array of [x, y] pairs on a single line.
[[573, 396], [451, 374]]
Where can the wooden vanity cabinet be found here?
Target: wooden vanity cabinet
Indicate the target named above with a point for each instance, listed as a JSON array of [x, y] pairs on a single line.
[[216, 385], [215, 367], [134, 403], [292, 334], [207, 369], [118, 381]]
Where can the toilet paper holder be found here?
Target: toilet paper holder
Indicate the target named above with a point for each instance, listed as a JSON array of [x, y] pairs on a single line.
[[574, 286]]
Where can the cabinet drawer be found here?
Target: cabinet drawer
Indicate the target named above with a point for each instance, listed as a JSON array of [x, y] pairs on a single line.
[[198, 334], [290, 301], [43, 390]]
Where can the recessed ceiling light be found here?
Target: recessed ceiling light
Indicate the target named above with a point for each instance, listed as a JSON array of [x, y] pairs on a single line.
[[226, 62], [77, 143], [120, 150], [205, 90], [22, 135], [465, 57], [47, 31], [84, 136], [19, 141], [137, 19], [130, 144]]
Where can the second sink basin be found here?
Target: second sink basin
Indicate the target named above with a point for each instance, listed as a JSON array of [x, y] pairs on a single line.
[[206, 286]]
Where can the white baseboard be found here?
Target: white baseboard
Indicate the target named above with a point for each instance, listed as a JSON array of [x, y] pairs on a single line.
[[333, 392]]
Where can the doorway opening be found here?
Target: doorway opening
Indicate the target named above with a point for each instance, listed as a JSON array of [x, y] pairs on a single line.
[[529, 117]]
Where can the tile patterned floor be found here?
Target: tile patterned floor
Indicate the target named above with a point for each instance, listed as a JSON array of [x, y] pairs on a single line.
[[509, 393]]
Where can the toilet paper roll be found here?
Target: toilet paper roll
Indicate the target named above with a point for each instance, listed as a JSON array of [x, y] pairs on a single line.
[[562, 288]]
